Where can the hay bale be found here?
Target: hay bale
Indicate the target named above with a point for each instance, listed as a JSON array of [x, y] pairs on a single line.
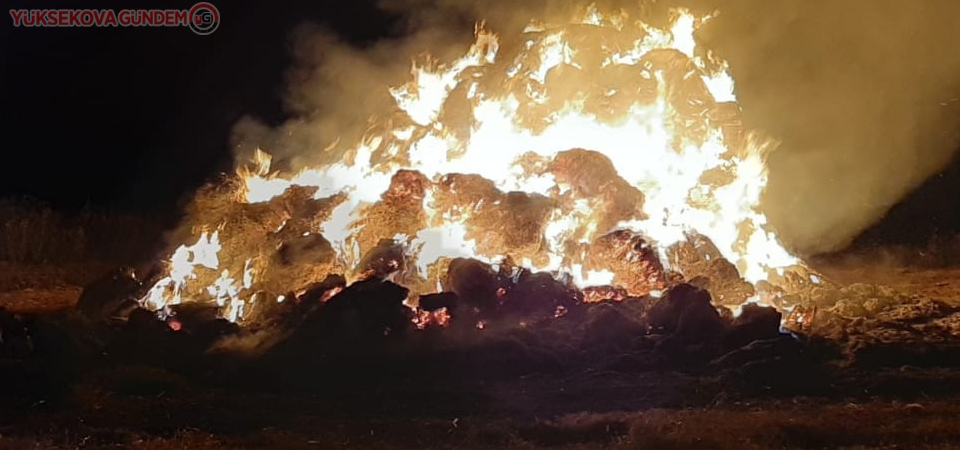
[[474, 282], [699, 259], [280, 239], [385, 261], [104, 298], [591, 175], [539, 297], [627, 254], [370, 309], [500, 223], [399, 211], [610, 326], [686, 312], [755, 323]]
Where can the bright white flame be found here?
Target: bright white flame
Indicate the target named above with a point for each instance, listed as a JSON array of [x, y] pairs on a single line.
[[169, 290]]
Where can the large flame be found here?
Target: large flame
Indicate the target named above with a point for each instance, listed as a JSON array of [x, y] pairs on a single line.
[[660, 110]]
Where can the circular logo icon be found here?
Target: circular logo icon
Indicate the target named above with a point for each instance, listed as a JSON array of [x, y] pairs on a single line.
[[204, 18]]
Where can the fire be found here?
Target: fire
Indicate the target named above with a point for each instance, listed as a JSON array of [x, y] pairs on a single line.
[[170, 289], [536, 153]]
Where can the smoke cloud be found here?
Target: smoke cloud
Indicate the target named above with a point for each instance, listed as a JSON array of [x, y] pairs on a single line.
[[862, 94]]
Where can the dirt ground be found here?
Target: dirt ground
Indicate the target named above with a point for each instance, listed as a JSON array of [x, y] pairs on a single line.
[[37, 289], [147, 408], [705, 415]]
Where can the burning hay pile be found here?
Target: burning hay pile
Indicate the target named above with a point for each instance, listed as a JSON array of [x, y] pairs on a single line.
[[578, 185], [605, 152], [581, 187]]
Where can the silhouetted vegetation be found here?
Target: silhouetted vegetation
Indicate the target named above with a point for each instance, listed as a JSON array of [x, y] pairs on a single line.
[[33, 233]]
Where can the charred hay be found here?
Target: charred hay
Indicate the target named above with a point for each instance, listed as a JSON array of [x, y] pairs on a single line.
[[362, 332], [113, 295]]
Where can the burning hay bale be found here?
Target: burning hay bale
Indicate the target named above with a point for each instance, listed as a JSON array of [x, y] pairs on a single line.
[[285, 233], [513, 225], [703, 264], [388, 260], [274, 243], [636, 265], [500, 223], [689, 95], [304, 250], [590, 175], [399, 212]]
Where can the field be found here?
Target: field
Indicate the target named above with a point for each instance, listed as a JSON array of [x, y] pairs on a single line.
[[637, 411], [47, 258]]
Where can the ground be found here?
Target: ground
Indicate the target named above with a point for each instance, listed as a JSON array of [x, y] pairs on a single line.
[[132, 406], [215, 420]]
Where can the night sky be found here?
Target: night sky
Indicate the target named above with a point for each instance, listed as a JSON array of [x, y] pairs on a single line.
[[136, 119]]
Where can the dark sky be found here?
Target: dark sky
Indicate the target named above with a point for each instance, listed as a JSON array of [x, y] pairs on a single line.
[[136, 118]]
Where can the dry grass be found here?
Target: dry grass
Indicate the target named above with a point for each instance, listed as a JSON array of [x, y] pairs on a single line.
[[809, 425], [799, 424], [41, 301], [46, 256], [33, 233]]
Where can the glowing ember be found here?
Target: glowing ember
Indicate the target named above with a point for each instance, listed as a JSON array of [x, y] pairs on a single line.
[[440, 318], [588, 127]]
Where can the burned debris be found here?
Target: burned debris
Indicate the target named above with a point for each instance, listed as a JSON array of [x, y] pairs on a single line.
[[527, 320], [497, 320], [112, 296], [682, 308]]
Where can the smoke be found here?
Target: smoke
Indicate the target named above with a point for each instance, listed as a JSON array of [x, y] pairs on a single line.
[[862, 94]]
